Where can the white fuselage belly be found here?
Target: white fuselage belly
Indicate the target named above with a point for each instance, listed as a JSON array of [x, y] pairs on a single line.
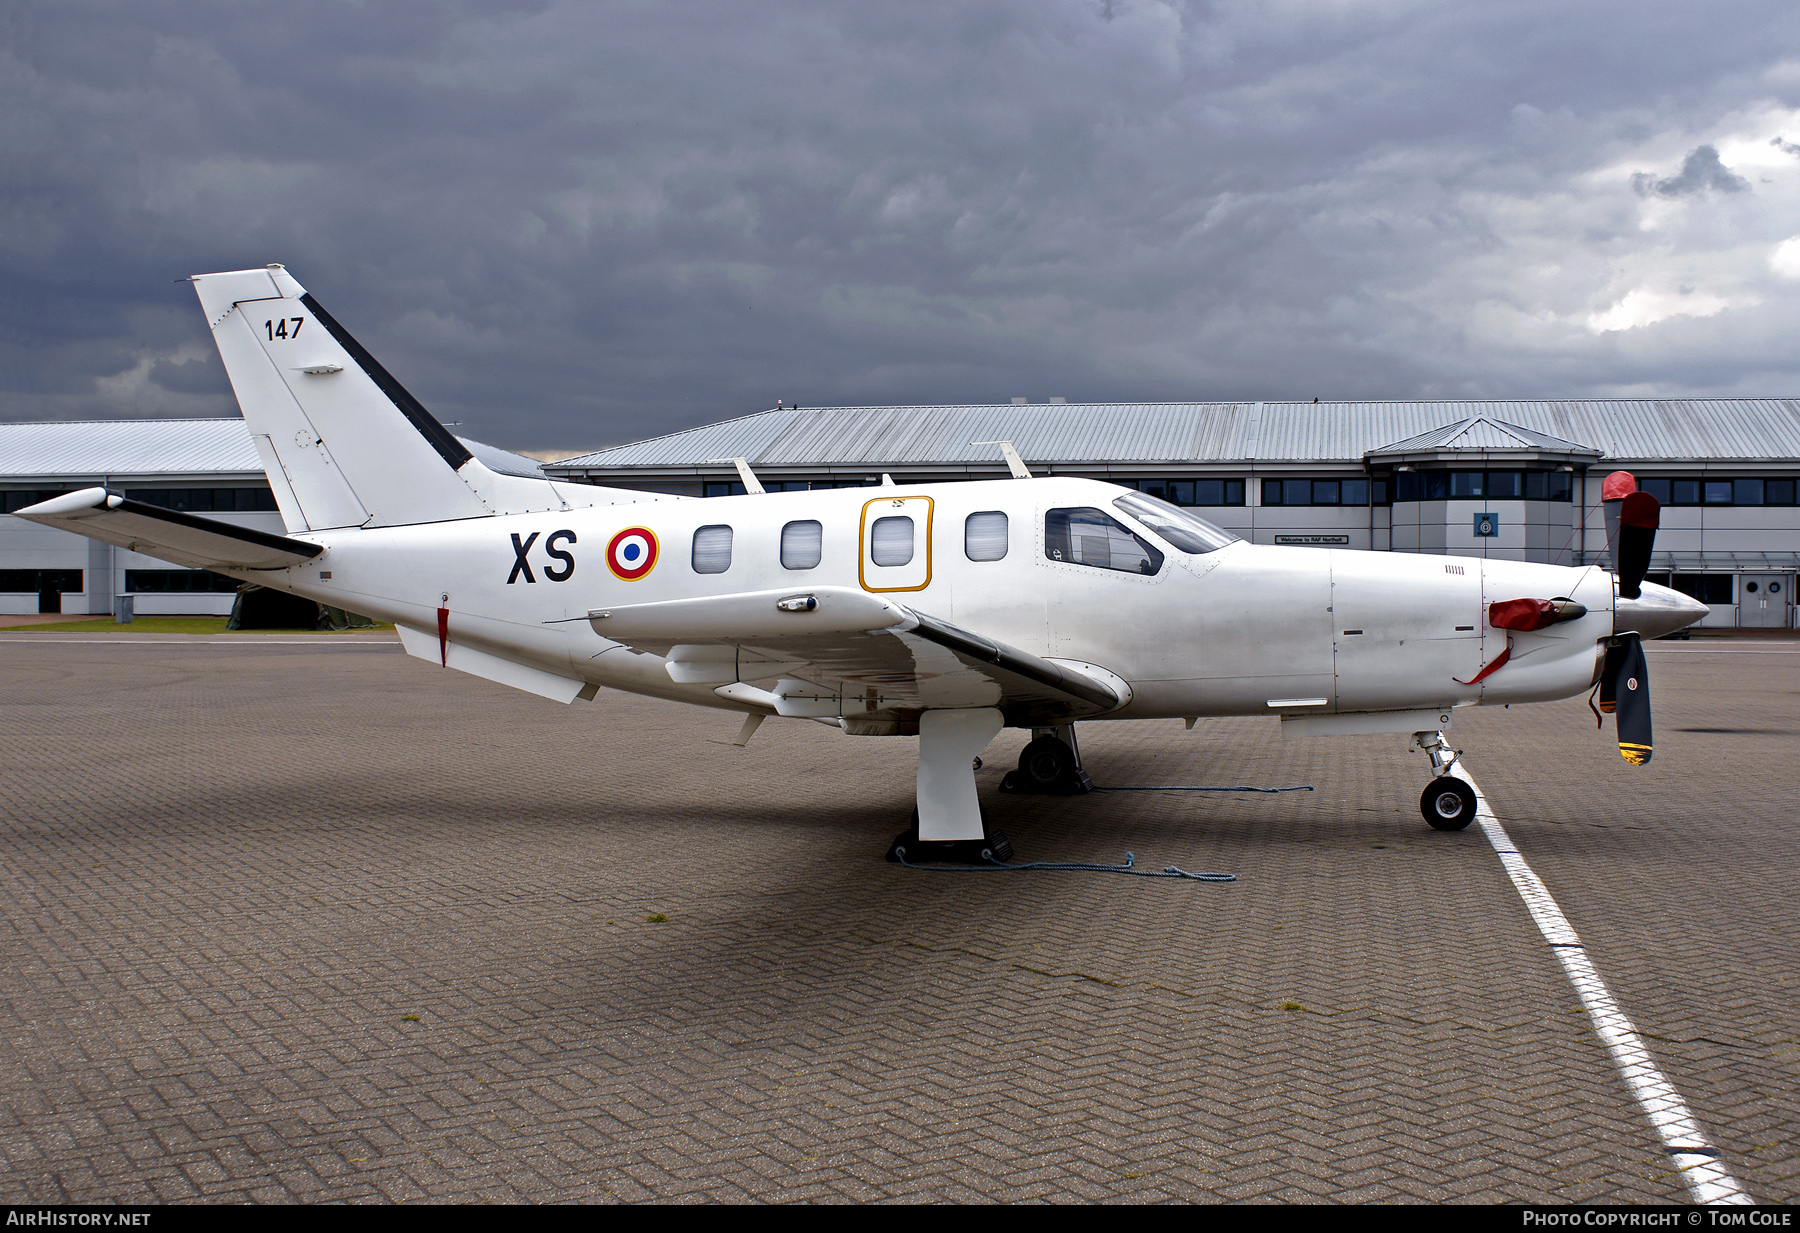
[[1221, 633]]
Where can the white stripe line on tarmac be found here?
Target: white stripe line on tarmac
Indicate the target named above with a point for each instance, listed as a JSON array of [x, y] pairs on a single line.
[[1686, 1145]]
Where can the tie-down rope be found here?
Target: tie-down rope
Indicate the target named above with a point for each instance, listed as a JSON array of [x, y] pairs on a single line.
[[995, 866], [1301, 787]]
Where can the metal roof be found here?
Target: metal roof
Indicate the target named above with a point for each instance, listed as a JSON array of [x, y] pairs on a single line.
[[126, 447], [1639, 430], [199, 448], [1479, 433]]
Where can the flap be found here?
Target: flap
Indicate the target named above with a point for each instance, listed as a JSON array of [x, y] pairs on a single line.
[[852, 653], [183, 539]]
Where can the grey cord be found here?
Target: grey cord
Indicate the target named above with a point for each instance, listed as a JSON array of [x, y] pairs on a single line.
[[997, 866]]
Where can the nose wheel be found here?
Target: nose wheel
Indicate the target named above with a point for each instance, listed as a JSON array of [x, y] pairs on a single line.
[[1448, 802]]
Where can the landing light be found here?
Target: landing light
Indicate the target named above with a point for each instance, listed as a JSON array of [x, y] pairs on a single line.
[[798, 603]]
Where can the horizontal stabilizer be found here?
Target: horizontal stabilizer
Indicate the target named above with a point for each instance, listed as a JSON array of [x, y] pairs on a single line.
[[168, 535]]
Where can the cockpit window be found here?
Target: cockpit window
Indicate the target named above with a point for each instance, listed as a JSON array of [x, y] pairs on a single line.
[[1186, 530], [1088, 536]]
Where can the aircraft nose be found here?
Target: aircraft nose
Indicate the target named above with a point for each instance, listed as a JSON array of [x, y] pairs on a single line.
[[1655, 612]]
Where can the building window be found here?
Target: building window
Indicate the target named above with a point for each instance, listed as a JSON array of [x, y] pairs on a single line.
[[1707, 588], [188, 581], [1482, 486], [802, 544], [891, 540], [985, 536], [712, 550], [735, 488], [207, 500], [19, 498], [38, 581], [1686, 490], [1089, 536], [1192, 492], [1317, 492]]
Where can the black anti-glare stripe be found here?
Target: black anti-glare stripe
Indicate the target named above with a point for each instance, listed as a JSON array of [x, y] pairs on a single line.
[[262, 539], [1017, 662], [442, 439]]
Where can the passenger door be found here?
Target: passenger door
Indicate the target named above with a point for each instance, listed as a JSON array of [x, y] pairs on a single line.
[[896, 544]]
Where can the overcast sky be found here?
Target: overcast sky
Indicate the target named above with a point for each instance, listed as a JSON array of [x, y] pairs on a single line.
[[568, 225]]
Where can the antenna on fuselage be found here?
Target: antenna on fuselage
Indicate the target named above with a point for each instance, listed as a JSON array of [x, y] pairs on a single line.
[[1014, 463], [751, 483]]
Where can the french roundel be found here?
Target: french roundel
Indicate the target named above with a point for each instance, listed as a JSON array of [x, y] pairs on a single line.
[[632, 553]]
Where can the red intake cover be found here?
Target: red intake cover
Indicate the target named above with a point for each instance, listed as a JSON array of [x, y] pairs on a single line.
[[1618, 486], [1522, 614], [1640, 510]]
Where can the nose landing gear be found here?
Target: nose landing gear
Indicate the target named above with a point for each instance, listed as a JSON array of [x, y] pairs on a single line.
[[1448, 802]]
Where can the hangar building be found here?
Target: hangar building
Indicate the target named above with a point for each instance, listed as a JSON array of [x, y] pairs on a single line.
[[1517, 480], [205, 467]]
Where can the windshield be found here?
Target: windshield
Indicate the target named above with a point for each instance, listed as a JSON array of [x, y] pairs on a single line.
[[1187, 531]]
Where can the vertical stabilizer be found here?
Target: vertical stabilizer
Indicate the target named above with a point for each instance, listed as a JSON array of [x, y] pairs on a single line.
[[344, 443]]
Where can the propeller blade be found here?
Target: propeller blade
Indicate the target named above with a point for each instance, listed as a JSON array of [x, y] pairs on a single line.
[[1609, 676], [1639, 515], [1631, 695], [1613, 491]]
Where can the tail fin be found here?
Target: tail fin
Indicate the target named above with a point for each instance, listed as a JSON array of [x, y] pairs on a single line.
[[344, 443]]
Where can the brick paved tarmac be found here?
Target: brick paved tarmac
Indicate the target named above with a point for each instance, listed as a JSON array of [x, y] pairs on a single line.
[[231, 873]]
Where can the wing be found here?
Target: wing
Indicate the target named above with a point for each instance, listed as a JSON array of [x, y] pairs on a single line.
[[184, 539], [836, 651]]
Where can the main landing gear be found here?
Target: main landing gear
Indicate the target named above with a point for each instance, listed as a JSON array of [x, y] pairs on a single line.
[[1050, 765], [947, 825], [1448, 802]]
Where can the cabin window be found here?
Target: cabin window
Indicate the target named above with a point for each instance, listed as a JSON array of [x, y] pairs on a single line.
[[984, 536], [802, 544], [891, 540], [712, 550], [1087, 536]]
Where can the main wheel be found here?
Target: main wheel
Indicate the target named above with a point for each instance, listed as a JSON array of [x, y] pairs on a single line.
[[1448, 803], [1046, 763]]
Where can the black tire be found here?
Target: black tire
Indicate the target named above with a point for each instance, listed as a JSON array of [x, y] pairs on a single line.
[[1046, 764], [1448, 804]]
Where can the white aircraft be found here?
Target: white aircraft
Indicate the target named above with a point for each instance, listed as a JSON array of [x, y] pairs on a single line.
[[945, 611]]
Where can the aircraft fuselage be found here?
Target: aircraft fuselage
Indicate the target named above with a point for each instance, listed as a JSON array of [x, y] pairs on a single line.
[[1242, 630]]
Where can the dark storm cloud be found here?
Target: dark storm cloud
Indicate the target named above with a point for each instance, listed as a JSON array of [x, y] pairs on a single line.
[[564, 225], [1700, 171]]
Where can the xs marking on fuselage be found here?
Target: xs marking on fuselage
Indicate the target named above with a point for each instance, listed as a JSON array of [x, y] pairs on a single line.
[[522, 562]]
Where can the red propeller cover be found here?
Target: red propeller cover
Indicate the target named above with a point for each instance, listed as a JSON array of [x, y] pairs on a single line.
[[1618, 486], [1640, 510]]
